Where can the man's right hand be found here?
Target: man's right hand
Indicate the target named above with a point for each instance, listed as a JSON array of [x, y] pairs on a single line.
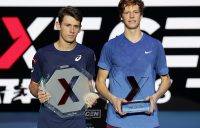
[[43, 96], [117, 104]]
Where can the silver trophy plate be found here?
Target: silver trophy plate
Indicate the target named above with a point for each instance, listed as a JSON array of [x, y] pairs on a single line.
[[68, 85], [136, 106]]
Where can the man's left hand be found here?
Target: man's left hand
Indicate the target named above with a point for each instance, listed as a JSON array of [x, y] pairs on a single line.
[[91, 99], [153, 101]]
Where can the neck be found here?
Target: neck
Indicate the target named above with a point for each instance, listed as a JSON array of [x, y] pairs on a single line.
[[64, 46], [133, 35]]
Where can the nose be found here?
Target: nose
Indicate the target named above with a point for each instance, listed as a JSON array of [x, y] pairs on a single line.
[[72, 29], [131, 14]]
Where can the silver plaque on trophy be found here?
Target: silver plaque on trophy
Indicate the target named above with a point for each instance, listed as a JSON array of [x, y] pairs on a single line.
[[134, 106], [67, 85]]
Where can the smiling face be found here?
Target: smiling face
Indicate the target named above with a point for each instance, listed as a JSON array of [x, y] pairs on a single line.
[[69, 29], [131, 16]]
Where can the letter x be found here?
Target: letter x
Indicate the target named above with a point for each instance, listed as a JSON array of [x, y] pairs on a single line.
[[68, 90], [20, 45], [135, 88]]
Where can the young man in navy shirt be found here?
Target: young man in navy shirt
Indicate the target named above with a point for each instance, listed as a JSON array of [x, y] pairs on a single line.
[[65, 51]]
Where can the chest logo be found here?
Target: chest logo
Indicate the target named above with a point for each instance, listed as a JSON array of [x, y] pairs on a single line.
[[147, 52], [78, 58]]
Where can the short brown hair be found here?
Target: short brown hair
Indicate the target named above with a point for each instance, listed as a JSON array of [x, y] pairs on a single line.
[[123, 3], [70, 11]]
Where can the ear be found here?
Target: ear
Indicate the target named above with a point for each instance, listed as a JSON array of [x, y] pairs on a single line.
[[58, 25]]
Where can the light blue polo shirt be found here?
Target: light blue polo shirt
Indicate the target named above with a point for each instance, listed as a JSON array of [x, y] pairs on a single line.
[[143, 60]]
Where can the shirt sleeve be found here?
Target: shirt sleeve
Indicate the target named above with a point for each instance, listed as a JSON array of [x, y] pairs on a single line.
[[105, 58], [161, 65], [91, 63], [36, 74]]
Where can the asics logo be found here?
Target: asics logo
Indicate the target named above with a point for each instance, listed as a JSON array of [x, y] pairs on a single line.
[[78, 58], [147, 52]]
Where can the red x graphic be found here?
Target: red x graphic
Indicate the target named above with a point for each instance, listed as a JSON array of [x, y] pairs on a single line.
[[68, 90], [21, 42]]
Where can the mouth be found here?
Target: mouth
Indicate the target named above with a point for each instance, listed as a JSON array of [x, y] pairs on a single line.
[[131, 21], [71, 36]]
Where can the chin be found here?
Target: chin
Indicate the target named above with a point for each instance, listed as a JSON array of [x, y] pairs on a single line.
[[69, 41], [132, 26]]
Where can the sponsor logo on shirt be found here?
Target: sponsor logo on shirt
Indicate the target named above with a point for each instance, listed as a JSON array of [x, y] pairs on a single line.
[[78, 58], [147, 52]]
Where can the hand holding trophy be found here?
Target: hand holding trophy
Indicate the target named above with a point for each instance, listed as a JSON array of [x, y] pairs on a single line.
[[43, 96], [91, 99]]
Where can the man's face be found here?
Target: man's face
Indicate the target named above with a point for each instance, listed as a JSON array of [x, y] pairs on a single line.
[[69, 29], [131, 16]]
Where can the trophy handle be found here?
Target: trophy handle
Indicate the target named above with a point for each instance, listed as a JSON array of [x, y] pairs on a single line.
[[90, 84]]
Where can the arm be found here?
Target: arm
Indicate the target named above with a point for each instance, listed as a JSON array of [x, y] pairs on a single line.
[[91, 98], [101, 84], [103, 90], [162, 70], [38, 92], [164, 86], [34, 88]]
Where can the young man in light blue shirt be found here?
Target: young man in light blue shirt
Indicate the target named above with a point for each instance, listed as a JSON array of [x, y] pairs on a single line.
[[137, 54]]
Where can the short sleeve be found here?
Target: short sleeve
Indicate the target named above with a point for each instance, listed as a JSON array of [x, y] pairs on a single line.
[[36, 74], [105, 58], [91, 63], [161, 64]]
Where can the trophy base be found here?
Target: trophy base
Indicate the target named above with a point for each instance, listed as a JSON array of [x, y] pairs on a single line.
[[66, 114], [136, 106]]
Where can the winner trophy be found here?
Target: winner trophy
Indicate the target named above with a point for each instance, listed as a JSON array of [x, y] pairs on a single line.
[[135, 106], [67, 85]]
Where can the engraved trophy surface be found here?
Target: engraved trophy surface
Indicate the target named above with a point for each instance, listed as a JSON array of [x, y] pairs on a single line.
[[134, 106], [68, 85]]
